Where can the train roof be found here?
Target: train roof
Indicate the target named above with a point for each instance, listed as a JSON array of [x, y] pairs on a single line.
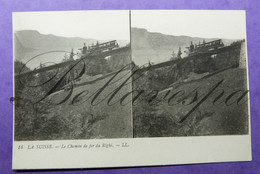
[[107, 42]]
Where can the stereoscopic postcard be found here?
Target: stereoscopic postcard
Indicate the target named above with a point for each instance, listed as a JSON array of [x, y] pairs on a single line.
[[129, 88]]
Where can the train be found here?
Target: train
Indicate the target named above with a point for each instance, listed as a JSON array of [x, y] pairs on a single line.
[[205, 47], [99, 47]]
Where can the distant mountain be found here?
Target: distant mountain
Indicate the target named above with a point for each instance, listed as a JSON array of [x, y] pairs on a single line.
[[34, 39], [146, 46], [157, 47], [19, 48], [29, 43]]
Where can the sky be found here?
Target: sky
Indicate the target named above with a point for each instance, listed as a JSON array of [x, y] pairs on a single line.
[[101, 25], [114, 24], [195, 23]]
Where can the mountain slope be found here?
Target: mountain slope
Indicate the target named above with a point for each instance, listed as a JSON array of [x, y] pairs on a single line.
[[156, 47], [34, 39], [29, 43]]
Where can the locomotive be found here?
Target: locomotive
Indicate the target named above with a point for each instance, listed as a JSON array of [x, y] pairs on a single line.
[[205, 47], [99, 47]]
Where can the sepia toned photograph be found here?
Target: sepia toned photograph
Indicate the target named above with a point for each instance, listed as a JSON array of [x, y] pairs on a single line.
[[182, 79], [193, 73], [62, 64]]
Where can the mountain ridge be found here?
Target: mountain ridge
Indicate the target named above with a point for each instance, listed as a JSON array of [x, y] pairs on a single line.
[[29, 43], [146, 46], [157, 47]]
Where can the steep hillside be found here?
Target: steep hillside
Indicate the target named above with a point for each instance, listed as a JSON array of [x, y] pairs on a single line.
[[214, 114]]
